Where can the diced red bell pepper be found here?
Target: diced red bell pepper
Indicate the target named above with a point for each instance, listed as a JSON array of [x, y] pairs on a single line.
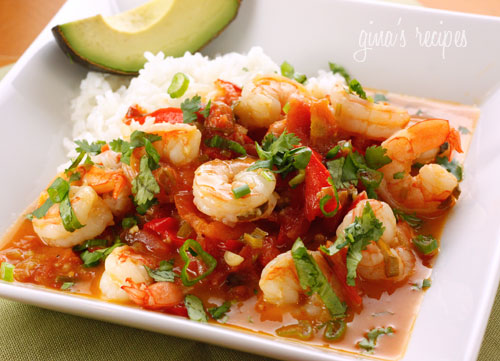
[[166, 228], [316, 179], [340, 269], [298, 119], [231, 245]]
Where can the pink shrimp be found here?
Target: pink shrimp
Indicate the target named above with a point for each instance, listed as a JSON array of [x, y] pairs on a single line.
[[155, 296]]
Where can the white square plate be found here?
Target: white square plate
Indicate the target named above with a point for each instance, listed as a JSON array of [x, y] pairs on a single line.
[[461, 65]]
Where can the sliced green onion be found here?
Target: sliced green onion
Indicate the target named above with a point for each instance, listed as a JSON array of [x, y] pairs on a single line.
[[211, 263], [299, 178], [302, 331], [178, 86], [323, 201], [334, 330], [7, 272], [287, 69], [241, 191], [67, 285], [268, 175], [333, 152], [425, 244]]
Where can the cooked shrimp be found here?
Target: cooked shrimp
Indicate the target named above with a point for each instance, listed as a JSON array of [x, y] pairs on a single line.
[[90, 210], [262, 100], [155, 296], [373, 265], [213, 186], [363, 117], [113, 185], [426, 192], [279, 281], [179, 144], [387, 259], [122, 266]]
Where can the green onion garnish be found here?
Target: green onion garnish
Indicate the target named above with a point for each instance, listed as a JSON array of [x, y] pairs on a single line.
[[334, 330], [398, 175], [7, 272], [178, 86], [299, 178], [241, 191], [302, 330], [194, 247], [425, 244]]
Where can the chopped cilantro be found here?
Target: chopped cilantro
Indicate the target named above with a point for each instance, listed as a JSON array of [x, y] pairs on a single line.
[[375, 157], [356, 237], [144, 186], [222, 143], [453, 167], [280, 152], [92, 148], [219, 312], [311, 278], [42, 210], [206, 111], [89, 244], [463, 130], [411, 219], [189, 109], [356, 88], [370, 341], [419, 113], [426, 283], [164, 273], [195, 309], [378, 97], [335, 68], [92, 259]]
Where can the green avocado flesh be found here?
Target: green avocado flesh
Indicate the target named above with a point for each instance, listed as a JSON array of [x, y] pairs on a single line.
[[117, 43]]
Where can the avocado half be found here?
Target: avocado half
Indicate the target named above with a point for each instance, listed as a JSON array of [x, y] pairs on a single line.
[[116, 44]]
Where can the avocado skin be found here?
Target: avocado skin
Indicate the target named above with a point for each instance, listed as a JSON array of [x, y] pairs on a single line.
[[77, 57]]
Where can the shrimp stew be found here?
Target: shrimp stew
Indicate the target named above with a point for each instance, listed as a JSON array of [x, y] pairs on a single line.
[[310, 217]]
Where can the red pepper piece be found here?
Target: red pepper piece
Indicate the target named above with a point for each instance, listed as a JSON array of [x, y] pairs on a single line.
[[316, 179], [298, 119], [166, 228]]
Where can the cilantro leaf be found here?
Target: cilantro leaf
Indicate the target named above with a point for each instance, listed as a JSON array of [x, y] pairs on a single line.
[[206, 111], [92, 259], [137, 139], [411, 219], [195, 309], [144, 186], [41, 211], [463, 130], [371, 180], [279, 152], [453, 167], [68, 216], [370, 341], [378, 97], [161, 275], [335, 68], [311, 278], [335, 168], [90, 148], [375, 157], [356, 237], [219, 312], [356, 88], [222, 143], [189, 108]]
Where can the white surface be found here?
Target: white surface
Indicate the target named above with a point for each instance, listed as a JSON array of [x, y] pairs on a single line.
[[35, 95]]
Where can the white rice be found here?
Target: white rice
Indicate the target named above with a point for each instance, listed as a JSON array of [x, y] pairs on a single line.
[[98, 112]]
